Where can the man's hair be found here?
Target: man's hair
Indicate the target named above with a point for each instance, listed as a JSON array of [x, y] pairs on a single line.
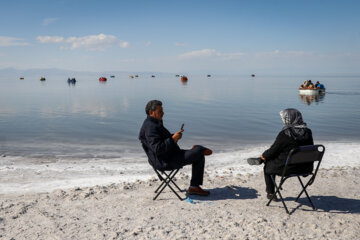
[[151, 105]]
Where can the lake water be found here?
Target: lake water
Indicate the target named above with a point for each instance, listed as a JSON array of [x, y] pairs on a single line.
[[56, 135]]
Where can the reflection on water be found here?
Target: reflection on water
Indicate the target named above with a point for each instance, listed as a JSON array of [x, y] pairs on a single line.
[[71, 84], [184, 83], [307, 99]]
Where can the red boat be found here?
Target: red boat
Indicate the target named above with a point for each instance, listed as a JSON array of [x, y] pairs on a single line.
[[102, 79], [184, 79]]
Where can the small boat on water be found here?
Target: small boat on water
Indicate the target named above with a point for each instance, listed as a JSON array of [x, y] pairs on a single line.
[[177, 75], [131, 76], [102, 79], [136, 75], [71, 80], [253, 75], [152, 76], [21, 78], [312, 91], [42, 79], [112, 76], [208, 75], [184, 79], [308, 88]]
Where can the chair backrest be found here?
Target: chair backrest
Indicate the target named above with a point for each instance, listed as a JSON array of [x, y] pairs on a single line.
[[305, 154], [154, 166], [146, 152]]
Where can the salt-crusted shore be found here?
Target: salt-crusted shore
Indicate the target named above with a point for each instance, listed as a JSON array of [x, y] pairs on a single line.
[[234, 210]]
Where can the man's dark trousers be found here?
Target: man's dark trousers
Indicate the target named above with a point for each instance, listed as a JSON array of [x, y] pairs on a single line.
[[196, 158]]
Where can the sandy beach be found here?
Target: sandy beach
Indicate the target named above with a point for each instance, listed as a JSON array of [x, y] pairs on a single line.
[[234, 210]]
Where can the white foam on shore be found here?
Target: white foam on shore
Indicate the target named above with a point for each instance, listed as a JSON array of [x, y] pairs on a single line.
[[22, 174]]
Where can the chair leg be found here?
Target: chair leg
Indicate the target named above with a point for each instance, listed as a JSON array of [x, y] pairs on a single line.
[[168, 176], [162, 182], [166, 182], [278, 191], [162, 179], [171, 177], [304, 190]]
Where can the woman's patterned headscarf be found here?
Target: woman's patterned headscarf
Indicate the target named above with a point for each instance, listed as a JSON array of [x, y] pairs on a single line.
[[294, 124]]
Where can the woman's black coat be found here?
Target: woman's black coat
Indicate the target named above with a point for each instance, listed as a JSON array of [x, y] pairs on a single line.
[[277, 154]]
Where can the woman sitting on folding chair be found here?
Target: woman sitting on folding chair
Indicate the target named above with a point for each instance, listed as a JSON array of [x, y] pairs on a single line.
[[295, 133]]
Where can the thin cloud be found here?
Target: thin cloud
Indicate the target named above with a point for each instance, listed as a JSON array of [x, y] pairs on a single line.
[[96, 42], [211, 53], [50, 39], [11, 41], [91, 42], [199, 53], [48, 21]]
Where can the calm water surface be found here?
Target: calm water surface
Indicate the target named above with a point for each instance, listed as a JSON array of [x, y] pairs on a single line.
[[90, 118]]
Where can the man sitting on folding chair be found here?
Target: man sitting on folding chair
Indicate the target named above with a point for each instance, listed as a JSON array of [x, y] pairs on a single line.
[[294, 134], [163, 151]]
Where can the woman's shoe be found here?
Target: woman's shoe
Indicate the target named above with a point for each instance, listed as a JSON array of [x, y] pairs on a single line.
[[271, 196], [255, 161]]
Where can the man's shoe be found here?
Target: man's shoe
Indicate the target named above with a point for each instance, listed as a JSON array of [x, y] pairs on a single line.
[[207, 152], [198, 191], [271, 196], [255, 161]]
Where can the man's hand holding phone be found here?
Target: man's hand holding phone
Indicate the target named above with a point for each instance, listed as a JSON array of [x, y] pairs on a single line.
[[178, 135]]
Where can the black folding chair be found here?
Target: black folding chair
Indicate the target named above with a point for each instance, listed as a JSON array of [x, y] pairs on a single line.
[[166, 177], [299, 156]]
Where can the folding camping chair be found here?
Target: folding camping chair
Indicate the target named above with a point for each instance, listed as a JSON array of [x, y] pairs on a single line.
[[298, 156], [166, 177]]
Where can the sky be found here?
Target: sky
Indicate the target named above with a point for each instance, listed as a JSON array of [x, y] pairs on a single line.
[[241, 37]]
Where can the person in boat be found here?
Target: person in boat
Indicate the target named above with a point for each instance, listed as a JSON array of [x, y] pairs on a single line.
[[164, 152], [310, 84], [294, 133], [305, 84], [319, 85]]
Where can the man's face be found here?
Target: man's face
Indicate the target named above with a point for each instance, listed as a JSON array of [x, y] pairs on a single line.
[[158, 113]]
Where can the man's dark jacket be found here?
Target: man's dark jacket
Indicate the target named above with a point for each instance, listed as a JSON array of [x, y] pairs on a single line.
[[162, 151], [277, 154]]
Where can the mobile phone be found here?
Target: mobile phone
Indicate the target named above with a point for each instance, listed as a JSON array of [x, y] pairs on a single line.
[[182, 127]]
